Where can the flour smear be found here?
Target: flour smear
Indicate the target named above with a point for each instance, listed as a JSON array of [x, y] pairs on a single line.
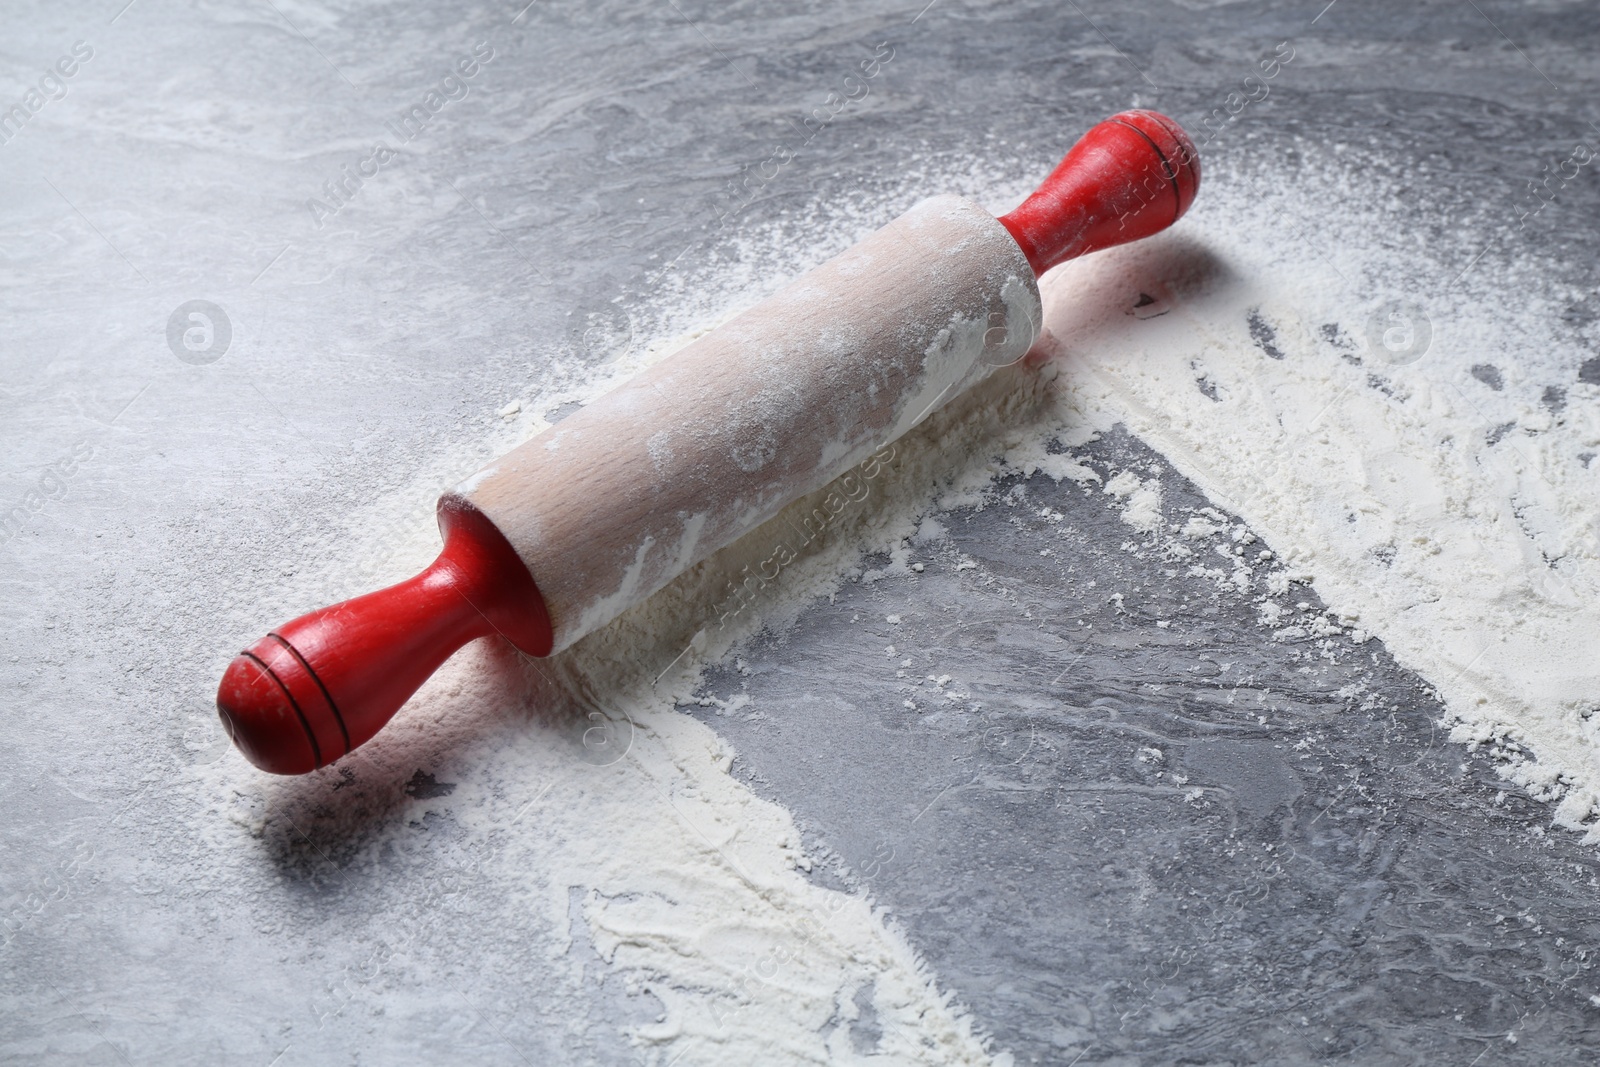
[[1437, 501], [1419, 447]]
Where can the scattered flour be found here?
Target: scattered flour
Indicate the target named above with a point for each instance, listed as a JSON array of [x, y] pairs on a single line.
[[1420, 453], [1060, 466], [1394, 488]]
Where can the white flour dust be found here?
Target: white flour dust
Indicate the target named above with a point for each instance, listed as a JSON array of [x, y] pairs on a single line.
[[1422, 454], [1431, 509]]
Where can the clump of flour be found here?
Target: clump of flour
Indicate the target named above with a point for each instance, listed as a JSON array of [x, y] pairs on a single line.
[[1141, 500]]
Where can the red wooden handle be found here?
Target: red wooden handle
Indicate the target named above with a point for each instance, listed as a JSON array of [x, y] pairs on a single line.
[[311, 691], [1133, 175]]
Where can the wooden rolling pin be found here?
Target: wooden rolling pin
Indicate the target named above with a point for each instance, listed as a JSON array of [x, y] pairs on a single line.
[[592, 516]]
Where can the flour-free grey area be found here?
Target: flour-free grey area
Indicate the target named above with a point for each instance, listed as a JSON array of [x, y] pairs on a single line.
[[1143, 832], [1331, 881]]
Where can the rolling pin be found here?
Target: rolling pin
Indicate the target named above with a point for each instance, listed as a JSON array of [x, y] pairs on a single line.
[[593, 515]]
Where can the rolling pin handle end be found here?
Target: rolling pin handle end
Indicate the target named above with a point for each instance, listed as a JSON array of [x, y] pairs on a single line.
[[312, 690], [1131, 176]]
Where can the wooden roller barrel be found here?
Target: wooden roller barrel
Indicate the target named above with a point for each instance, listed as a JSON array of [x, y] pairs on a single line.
[[629, 492]]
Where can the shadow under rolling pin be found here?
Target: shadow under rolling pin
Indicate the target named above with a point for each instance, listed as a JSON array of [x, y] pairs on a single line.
[[593, 515]]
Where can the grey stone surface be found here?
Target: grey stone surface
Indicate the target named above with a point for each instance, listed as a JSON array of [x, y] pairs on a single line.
[[1128, 825], [1069, 895]]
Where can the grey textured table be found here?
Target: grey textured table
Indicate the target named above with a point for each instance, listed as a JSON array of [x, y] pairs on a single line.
[[1332, 881]]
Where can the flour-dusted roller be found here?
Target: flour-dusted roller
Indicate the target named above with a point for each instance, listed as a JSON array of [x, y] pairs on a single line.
[[595, 514]]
